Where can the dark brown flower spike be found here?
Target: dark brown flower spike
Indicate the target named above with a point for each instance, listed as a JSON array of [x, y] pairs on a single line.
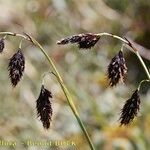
[[44, 107], [85, 40], [16, 67], [130, 109], [117, 69], [2, 45]]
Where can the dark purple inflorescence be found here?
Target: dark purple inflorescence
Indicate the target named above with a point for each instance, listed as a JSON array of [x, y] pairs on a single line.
[[85, 40], [117, 69], [2, 45], [44, 107], [130, 109], [16, 67]]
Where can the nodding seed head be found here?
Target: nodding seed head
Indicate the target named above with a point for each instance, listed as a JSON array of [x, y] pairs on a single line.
[[85, 40], [44, 107], [16, 67], [2, 45], [117, 69], [130, 109]]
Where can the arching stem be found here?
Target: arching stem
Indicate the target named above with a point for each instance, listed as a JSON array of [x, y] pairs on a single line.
[[66, 92], [64, 88]]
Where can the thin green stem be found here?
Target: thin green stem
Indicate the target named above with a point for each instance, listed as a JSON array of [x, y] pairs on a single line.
[[142, 82], [114, 36], [20, 44], [15, 34], [5, 37], [143, 64], [67, 94], [122, 47]]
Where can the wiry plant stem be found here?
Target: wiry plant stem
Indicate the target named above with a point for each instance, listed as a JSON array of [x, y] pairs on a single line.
[[64, 88], [143, 64], [141, 83], [66, 92], [15, 34], [114, 36]]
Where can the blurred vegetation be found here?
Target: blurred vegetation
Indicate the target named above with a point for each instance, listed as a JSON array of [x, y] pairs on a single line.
[[84, 72]]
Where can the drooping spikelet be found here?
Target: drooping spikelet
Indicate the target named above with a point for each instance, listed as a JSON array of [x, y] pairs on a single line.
[[130, 109], [2, 45], [16, 67], [117, 69], [44, 107], [85, 40]]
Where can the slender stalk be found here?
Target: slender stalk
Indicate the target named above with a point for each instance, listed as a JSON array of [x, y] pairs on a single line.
[[15, 34], [65, 90], [143, 64], [114, 36], [141, 83]]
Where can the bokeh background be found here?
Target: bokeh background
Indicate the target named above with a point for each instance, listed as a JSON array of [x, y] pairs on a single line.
[[84, 72]]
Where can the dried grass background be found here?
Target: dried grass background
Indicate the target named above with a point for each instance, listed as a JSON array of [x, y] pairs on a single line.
[[84, 72]]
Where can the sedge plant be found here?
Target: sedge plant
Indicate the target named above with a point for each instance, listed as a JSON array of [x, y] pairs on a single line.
[[116, 72]]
